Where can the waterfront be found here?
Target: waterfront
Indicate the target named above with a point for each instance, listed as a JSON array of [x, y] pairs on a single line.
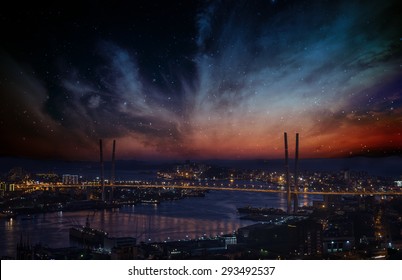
[[214, 214]]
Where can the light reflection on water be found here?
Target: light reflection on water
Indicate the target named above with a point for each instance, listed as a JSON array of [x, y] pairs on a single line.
[[214, 214]]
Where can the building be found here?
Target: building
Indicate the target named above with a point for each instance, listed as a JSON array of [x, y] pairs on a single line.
[[309, 236], [118, 242], [70, 179], [6, 187], [293, 240], [338, 235]]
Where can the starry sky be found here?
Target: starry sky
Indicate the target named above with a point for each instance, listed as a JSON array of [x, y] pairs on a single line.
[[201, 79]]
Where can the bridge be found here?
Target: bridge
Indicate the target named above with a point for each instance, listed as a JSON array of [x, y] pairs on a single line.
[[228, 187], [260, 188]]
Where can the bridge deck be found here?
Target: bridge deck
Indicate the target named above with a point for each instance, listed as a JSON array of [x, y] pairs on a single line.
[[262, 189]]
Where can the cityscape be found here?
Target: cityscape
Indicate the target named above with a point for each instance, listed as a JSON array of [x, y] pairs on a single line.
[[331, 215], [201, 130]]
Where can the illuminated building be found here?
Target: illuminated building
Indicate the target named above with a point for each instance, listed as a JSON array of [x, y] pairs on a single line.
[[70, 179]]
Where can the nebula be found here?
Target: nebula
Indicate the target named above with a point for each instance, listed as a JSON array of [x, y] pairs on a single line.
[[215, 79]]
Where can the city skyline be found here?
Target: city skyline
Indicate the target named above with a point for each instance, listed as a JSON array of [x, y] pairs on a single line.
[[201, 79]]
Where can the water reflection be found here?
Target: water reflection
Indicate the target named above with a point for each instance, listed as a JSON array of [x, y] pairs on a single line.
[[189, 218]]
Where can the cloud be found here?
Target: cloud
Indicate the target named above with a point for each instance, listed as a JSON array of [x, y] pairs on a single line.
[[255, 70]]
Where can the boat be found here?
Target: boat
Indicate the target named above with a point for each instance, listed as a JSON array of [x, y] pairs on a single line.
[[8, 214], [195, 193], [255, 212], [87, 235], [88, 205], [260, 210], [149, 201], [28, 217]]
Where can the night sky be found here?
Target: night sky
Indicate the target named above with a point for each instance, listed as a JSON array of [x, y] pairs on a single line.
[[201, 79]]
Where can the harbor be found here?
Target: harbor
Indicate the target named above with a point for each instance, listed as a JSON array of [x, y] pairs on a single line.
[[189, 218]]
